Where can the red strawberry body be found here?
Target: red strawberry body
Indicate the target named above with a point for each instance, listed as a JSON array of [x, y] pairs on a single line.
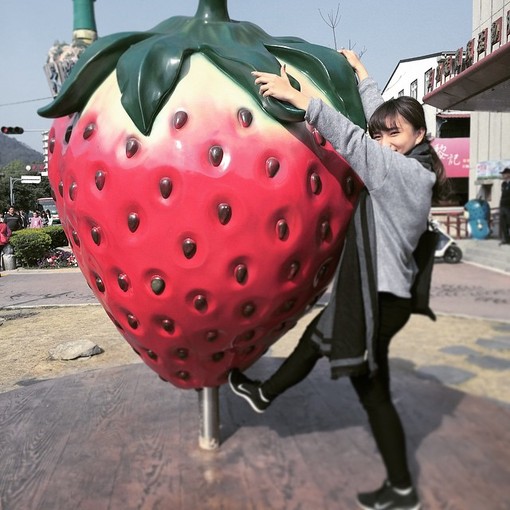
[[206, 239]]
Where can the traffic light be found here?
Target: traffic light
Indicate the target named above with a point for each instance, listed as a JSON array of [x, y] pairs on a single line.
[[7, 130]]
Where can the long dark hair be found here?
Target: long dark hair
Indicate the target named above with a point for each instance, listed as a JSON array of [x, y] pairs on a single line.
[[384, 119]]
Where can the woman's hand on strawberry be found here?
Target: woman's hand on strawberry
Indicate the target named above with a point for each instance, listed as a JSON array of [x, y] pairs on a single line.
[[355, 63], [279, 87]]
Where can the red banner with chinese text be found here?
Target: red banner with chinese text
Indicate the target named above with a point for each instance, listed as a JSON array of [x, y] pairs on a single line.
[[454, 154]]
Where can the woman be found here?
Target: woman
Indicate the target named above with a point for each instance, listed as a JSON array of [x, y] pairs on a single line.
[[5, 235], [35, 220], [402, 173]]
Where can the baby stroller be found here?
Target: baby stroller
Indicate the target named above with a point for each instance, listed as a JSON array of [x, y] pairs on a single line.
[[446, 247]]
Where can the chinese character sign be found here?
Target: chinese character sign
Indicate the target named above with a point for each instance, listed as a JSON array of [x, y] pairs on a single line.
[[454, 154]]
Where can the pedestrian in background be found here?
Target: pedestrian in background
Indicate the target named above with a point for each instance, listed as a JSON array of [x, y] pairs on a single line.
[[44, 218], [504, 207], [36, 220], [24, 218], [13, 219], [5, 235]]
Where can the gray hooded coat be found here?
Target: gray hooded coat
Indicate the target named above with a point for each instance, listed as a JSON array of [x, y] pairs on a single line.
[[397, 200]]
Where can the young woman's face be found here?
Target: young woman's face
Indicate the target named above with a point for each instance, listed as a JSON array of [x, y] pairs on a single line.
[[400, 136]]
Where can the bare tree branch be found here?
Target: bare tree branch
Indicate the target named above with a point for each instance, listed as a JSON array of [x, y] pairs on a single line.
[[360, 53], [332, 22]]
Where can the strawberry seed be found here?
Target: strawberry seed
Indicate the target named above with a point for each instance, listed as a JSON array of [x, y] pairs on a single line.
[[123, 282], [283, 230], [245, 117], [212, 335], [189, 248], [100, 284], [272, 167], [241, 273], [165, 187], [132, 147], [224, 213], [158, 285], [76, 239], [248, 309], [89, 131], [215, 155], [96, 235], [293, 270], [180, 118], [200, 302], [315, 183], [132, 320], [325, 230], [168, 325], [72, 190], [133, 222], [100, 179]]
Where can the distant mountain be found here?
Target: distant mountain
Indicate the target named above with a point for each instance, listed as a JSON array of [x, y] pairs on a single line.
[[14, 150]]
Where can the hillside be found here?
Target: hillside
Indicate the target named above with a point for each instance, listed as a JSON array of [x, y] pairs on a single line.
[[12, 149]]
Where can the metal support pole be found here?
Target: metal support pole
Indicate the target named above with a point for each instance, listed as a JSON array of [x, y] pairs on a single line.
[[12, 180], [209, 412]]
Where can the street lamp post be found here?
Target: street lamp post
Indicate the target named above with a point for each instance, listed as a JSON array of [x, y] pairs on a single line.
[[25, 179]]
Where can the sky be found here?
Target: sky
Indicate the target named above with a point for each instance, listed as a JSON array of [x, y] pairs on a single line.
[[385, 31]]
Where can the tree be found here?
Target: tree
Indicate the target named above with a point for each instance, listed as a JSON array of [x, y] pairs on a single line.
[[25, 195]]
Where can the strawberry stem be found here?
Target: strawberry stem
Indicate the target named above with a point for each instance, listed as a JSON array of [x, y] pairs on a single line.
[[212, 10]]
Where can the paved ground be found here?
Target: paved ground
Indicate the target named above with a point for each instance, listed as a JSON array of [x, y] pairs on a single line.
[[468, 348], [119, 437]]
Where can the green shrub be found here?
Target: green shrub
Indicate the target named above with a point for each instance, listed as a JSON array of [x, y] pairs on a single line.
[[58, 236], [30, 245]]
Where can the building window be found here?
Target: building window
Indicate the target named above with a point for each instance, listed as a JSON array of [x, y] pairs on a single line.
[[414, 89], [401, 93]]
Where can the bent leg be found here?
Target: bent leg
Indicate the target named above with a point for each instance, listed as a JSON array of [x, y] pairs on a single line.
[[296, 367]]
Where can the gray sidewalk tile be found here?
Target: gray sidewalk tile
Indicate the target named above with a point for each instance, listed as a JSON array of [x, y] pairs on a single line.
[[458, 350], [446, 373], [494, 345], [489, 362]]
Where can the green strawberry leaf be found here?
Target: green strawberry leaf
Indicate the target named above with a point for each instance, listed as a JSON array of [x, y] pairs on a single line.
[[144, 83], [240, 62], [324, 66]]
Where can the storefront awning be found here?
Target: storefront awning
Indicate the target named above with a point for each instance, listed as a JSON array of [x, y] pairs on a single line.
[[450, 115], [484, 87]]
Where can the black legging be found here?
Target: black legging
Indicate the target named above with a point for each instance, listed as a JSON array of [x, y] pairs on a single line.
[[373, 391], [504, 221]]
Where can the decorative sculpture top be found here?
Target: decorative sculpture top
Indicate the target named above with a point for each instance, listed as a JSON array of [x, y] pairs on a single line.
[[148, 65], [62, 56], [205, 218]]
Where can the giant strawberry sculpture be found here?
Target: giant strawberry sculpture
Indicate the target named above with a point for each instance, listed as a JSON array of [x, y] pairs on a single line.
[[205, 218]]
